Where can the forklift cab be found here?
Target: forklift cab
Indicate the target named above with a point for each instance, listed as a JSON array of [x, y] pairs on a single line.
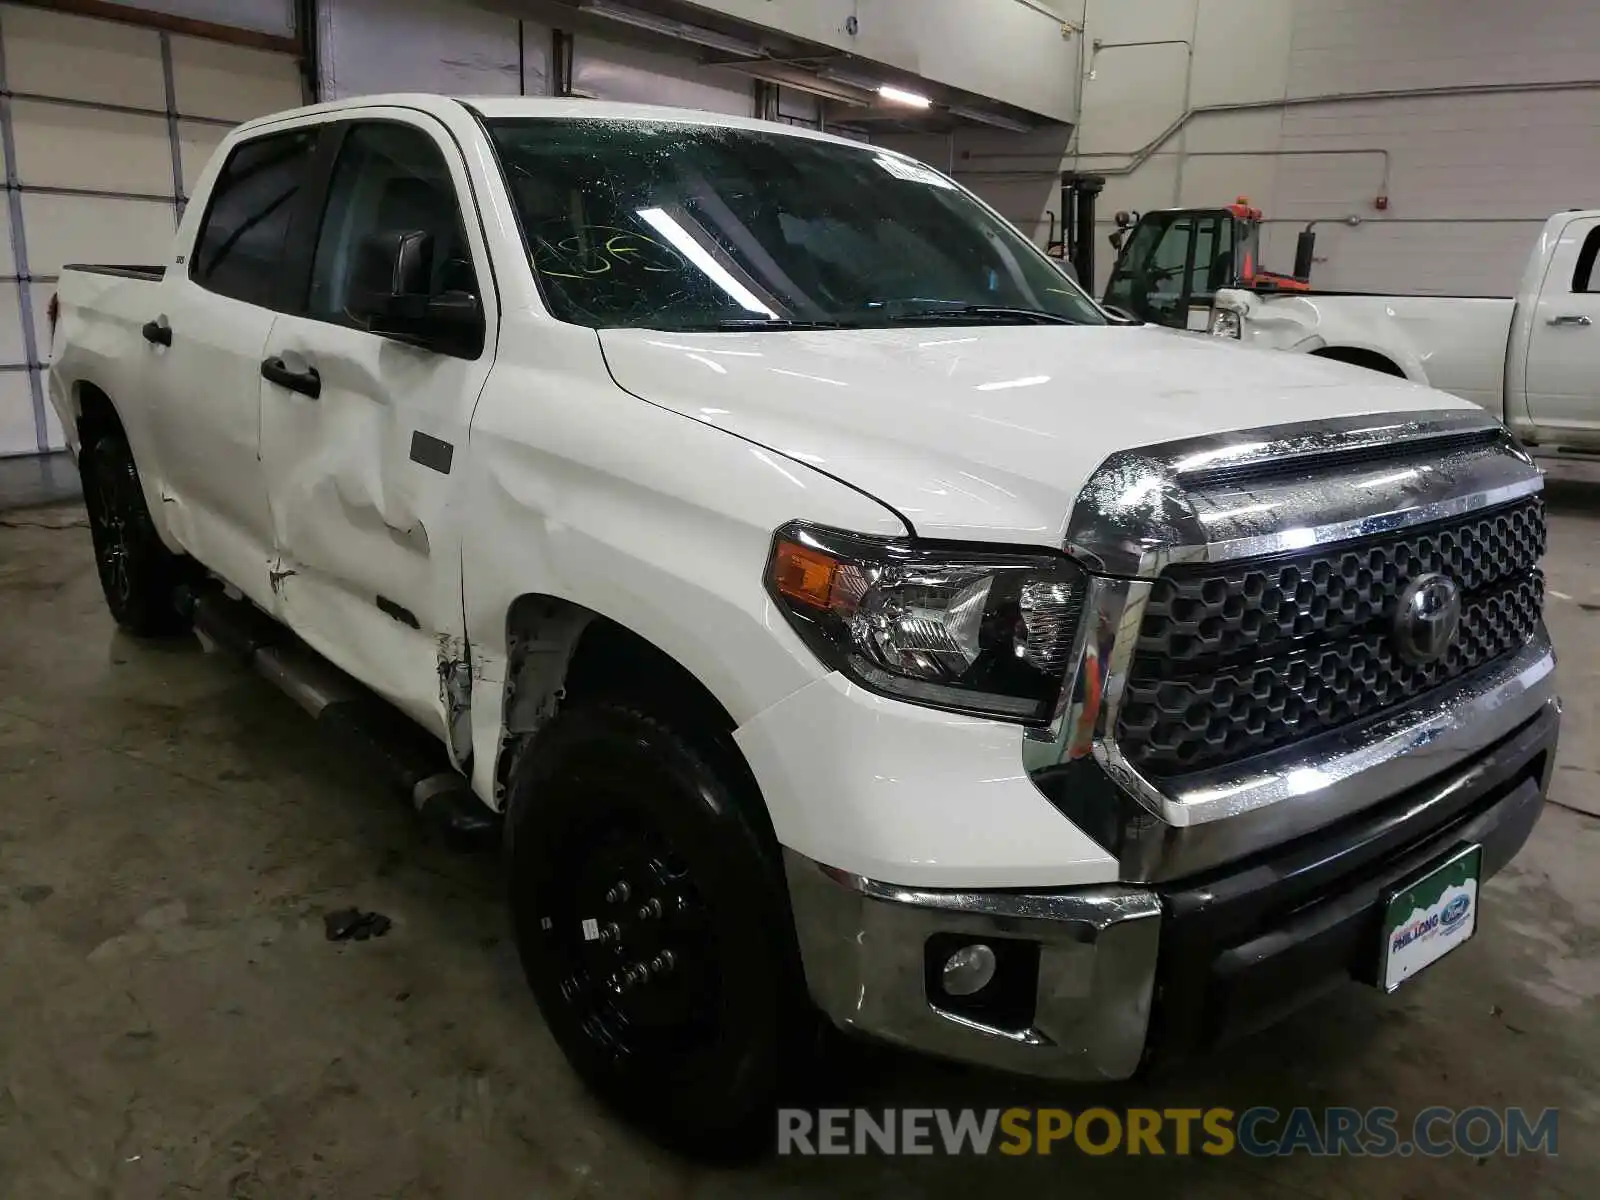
[[1172, 263]]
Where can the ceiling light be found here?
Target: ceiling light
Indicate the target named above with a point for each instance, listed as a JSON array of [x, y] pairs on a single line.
[[989, 118], [681, 30], [901, 96]]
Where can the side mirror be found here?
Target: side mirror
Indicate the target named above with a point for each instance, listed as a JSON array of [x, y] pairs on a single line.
[[391, 289], [389, 279]]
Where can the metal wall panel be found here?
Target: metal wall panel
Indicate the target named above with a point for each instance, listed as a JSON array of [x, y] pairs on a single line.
[[68, 147], [374, 46], [212, 79], [63, 229], [613, 71], [51, 54], [197, 142]]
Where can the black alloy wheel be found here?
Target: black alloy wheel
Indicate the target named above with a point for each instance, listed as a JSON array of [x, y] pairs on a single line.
[[138, 574], [653, 927]]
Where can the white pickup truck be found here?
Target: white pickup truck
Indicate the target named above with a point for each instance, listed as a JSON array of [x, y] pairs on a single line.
[[844, 615], [1533, 360]]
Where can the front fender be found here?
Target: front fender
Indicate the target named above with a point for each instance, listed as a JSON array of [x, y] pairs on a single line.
[[577, 490]]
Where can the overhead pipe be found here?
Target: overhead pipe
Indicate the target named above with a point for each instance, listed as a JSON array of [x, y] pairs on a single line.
[[1137, 158], [1143, 154], [1383, 184]]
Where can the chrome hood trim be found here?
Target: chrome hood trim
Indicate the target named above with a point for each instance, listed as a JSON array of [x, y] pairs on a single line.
[[1289, 487]]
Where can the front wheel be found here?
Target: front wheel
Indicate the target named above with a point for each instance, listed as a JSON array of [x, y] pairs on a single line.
[[138, 574], [652, 928]]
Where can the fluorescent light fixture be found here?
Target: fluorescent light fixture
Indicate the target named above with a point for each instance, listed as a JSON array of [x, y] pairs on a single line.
[[668, 228], [989, 118], [901, 96], [681, 30]]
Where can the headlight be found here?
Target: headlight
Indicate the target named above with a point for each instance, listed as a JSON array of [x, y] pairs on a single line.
[[1224, 323], [950, 627]]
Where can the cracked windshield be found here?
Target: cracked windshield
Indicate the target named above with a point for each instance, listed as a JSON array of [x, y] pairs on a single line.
[[675, 226]]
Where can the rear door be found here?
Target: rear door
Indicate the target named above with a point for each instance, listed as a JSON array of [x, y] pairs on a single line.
[[363, 465], [1563, 374], [204, 333]]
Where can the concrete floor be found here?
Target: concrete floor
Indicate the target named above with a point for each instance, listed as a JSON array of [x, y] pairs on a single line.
[[173, 1023]]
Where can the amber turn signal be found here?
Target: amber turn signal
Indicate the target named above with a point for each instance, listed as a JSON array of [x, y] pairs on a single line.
[[804, 573]]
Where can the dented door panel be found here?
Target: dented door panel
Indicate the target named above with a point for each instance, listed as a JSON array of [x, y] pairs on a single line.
[[367, 541], [364, 458]]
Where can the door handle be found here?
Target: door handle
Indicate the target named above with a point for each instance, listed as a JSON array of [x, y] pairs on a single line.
[[1570, 319], [157, 333], [307, 382]]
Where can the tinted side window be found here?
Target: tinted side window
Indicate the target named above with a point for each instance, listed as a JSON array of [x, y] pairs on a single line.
[[388, 178], [240, 249], [1586, 278]]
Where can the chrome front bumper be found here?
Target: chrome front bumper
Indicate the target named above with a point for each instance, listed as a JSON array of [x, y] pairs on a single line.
[[863, 945], [870, 967]]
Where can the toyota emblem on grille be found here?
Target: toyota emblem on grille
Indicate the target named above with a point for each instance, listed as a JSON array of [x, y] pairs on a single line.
[[1425, 623]]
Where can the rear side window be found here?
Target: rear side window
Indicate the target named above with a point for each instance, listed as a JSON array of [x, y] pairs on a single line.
[[240, 249], [1587, 278]]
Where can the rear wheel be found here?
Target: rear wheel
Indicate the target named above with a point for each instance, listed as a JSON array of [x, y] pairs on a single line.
[[652, 927], [138, 574]]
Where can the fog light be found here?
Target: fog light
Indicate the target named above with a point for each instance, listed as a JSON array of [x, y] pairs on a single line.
[[968, 970]]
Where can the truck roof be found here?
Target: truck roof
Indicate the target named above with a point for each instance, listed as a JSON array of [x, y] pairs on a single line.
[[549, 107]]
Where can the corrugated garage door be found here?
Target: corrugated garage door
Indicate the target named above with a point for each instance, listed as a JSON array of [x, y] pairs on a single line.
[[106, 126]]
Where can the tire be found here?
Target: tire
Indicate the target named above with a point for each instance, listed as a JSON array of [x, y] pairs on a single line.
[[696, 1053], [138, 574]]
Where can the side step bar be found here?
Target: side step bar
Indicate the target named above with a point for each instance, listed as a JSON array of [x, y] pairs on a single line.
[[360, 720]]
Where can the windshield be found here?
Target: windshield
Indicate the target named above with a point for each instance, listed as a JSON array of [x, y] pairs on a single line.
[[660, 224]]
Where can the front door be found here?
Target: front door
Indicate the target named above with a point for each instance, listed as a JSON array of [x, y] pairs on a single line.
[[1564, 341], [363, 436]]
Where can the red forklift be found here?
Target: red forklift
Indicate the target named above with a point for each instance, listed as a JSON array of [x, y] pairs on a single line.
[[1171, 262]]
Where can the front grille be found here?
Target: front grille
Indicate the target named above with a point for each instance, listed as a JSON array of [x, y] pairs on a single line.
[[1234, 659]]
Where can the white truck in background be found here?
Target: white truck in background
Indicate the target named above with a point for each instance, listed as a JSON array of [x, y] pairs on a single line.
[[1532, 359]]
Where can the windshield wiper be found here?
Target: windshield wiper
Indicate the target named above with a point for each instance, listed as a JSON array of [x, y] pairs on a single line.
[[978, 312]]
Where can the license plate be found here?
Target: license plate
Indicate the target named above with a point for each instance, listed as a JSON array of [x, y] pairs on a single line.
[[1430, 916]]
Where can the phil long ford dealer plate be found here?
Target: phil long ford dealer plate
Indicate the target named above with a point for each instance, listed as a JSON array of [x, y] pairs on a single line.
[[1430, 916]]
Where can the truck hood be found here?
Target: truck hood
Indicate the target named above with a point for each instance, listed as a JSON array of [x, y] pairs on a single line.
[[985, 433]]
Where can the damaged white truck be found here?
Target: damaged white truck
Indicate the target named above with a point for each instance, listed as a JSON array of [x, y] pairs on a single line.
[[846, 616], [1531, 359]]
